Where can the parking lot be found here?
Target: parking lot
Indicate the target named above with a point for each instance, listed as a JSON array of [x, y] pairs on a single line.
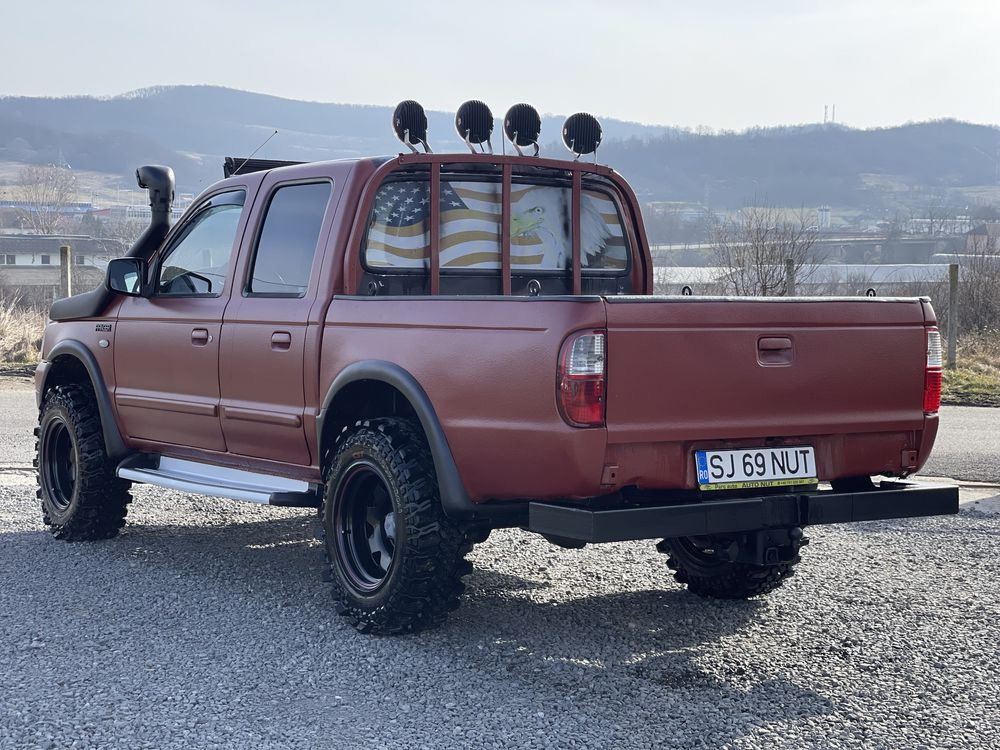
[[206, 624]]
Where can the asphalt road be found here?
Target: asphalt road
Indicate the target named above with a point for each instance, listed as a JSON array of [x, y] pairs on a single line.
[[967, 445], [206, 624]]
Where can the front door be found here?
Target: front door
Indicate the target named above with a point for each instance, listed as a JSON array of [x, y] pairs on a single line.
[[266, 327], [167, 344]]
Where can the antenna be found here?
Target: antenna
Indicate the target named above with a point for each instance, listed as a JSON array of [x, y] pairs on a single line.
[[237, 170], [833, 114], [826, 108]]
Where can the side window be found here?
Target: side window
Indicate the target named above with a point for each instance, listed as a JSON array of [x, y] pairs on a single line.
[[288, 238], [197, 261]]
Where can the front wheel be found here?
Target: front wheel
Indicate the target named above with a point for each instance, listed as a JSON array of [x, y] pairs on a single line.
[[395, 560], [82, 498], [697, 563]]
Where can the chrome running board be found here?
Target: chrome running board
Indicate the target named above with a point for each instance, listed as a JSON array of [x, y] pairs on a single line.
[[218, 481]]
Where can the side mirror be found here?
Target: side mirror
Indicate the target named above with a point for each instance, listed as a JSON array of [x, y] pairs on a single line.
[[126, 276]]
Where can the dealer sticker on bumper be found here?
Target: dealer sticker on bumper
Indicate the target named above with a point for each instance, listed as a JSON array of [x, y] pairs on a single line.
[[749, 468]]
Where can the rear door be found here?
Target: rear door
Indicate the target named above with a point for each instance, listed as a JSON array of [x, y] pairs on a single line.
[[266, 331], [167, 345], [702, 370]]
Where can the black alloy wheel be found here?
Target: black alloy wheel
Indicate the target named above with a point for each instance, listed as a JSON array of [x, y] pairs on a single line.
[[366, 526], [59, 462]]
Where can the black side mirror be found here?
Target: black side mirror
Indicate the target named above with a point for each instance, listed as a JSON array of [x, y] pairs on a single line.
[[126, 276]]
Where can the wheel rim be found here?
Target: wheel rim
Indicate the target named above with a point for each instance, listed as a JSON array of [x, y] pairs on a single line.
[[366, 527], [59, 464]]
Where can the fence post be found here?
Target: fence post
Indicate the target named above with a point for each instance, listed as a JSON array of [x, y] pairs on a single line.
[[65, 271], [952, 314], [789, 277]]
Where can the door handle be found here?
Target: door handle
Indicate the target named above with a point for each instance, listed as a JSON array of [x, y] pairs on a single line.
[[281, 341], [201, 337]]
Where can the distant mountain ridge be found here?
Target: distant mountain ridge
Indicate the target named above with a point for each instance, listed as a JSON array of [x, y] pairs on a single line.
[[192, 127]]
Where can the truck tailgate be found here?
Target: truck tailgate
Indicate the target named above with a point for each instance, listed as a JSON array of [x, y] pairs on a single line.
[[690, 369]]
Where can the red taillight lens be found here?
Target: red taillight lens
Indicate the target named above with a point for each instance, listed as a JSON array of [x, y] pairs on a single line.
[[580, 379], [932, 375]]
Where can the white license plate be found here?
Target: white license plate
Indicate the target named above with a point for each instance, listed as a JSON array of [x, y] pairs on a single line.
[[748, 468]]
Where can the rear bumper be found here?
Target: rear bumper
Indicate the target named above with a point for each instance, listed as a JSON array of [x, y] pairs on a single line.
[[889, 500]]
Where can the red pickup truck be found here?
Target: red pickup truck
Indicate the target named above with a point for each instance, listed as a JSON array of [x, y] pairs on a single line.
[[430, 346]]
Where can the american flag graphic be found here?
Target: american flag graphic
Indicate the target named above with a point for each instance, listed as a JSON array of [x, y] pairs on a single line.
[[399, 234]]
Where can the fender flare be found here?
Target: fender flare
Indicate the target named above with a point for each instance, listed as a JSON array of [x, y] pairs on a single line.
[[454, 499], [113, 443]]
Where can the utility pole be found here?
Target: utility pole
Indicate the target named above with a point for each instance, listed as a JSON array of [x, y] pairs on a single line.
[[952, 314], [65, 271]]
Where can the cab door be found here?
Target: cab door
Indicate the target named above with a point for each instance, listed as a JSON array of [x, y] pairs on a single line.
[[167, 344], [266, 329]]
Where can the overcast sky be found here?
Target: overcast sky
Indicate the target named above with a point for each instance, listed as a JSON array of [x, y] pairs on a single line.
[[721, 63]]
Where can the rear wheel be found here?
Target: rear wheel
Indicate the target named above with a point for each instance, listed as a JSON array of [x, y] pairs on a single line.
[[395, 560], [81, 497], [700, 564]]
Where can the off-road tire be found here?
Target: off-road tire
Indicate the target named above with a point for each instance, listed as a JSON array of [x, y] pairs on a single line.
[[719, 579], [424, 579], [87, 502]]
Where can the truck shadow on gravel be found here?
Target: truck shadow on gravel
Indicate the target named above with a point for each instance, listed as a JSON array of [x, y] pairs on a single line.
[[650, 643], [656, 641], [589, 643]]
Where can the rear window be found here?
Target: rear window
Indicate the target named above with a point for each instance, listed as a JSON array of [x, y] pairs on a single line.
[[541, 238]]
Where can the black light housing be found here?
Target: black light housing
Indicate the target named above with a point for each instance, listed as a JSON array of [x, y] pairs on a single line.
[[582, 133], [522, 126], [409, 123], [474, 123]]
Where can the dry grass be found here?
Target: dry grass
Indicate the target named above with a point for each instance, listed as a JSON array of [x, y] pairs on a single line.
[[976, 380], [20, 332]]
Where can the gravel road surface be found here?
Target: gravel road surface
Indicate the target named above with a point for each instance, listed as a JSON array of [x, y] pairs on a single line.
[[205, 624]]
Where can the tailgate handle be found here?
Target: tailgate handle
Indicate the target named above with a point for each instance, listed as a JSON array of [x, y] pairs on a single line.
[[773, 343], [774, 350]]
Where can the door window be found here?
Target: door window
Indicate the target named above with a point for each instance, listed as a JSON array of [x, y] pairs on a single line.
[[197, 261], [287, 241]]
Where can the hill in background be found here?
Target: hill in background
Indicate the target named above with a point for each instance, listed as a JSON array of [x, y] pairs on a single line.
[[193, 127]]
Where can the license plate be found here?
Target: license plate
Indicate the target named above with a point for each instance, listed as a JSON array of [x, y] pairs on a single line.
[[749, 468]]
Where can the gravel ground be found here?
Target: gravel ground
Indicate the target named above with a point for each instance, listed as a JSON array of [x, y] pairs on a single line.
[[205, 624]]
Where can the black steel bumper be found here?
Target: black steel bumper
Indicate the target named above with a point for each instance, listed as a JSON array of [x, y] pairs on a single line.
[[889, 500]]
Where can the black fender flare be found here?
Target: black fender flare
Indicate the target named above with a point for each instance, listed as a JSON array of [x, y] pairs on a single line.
[[454, 499], [113, 443]]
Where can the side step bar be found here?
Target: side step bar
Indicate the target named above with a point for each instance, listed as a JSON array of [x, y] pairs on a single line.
[[889, 500], [219, 481]]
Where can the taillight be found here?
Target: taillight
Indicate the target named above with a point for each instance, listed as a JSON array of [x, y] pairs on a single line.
[[932, 375], [580, 379]]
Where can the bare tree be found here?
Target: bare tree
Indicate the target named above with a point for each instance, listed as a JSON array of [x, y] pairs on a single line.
[[752, 250], [117, 234], [44, 191], [979, 290]]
